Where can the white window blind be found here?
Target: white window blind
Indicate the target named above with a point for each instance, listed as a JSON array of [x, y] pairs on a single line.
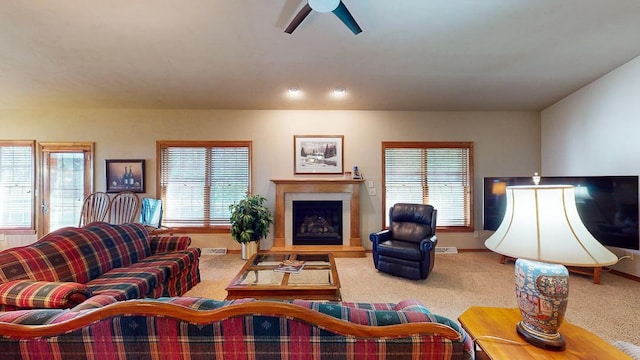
[[17, 184], [439, 174], [199, 181]]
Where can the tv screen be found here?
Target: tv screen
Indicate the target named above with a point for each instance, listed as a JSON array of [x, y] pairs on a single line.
[[607, 205]]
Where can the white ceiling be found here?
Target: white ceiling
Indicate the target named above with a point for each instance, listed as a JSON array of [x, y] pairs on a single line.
[[234, 54]]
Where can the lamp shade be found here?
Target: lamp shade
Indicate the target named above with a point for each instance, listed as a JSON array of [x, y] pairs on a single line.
[[541, 223]]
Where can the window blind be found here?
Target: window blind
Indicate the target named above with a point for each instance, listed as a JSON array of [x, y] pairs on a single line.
[[198, 182], [17, 184], [439, 174]]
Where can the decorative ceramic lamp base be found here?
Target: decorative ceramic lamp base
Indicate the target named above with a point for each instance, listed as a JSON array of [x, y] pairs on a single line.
[[549, 342], [542, 290]]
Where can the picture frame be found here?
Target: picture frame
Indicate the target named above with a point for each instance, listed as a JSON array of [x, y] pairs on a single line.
[[125, 175], [318, 154]]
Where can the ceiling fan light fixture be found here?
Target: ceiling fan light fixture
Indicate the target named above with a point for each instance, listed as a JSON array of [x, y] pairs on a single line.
[[324, 6]]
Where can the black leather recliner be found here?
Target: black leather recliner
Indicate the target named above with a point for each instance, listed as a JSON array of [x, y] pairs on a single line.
[[407, 248]]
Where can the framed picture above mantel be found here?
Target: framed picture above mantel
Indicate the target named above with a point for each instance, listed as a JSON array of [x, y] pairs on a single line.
[[318, 154], [124, 175]]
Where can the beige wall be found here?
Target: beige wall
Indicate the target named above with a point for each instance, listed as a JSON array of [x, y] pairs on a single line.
[[506, 144], [594, 131]]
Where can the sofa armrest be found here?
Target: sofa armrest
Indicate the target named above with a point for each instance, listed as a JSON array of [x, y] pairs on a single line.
[[165, 244], [32, 294]]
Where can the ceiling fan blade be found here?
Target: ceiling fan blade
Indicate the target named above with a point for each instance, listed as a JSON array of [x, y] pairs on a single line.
[[302, 14], [343, 14]]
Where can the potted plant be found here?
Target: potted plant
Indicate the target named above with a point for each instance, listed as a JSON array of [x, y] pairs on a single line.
[[250, 221]]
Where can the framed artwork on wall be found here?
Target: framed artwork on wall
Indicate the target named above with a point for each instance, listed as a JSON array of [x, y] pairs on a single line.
[[125, 175], [318, 154]]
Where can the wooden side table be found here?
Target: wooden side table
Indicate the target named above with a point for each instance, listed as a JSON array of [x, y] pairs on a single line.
[[489, 325]]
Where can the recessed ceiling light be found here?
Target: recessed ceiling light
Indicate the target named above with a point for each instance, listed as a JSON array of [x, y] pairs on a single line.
[[339, 91], [294, 90]]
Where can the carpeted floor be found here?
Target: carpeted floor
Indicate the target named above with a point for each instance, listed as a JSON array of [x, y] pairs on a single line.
[[611, 309]]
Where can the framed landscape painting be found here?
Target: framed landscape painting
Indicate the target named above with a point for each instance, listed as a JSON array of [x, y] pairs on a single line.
[[125, 175], [318, 154]]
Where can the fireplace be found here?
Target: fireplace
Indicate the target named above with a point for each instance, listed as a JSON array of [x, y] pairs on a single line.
[[317, 222], [345, 191]]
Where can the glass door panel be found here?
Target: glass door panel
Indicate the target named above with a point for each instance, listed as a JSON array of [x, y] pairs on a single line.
[[67, 178], [66, 189]]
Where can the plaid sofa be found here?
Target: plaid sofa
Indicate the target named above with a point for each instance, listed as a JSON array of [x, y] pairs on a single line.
[[68, 266], [199, 328]]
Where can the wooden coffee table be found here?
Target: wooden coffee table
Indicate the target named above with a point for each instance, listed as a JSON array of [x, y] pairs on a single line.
[[318, 280]]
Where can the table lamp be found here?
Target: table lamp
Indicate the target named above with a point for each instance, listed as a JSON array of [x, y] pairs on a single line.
[[542, 229]]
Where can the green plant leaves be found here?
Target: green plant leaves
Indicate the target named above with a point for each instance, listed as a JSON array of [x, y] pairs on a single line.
[[250, 219]]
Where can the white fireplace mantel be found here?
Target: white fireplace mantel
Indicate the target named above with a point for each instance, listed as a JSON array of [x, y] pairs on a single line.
[[351, 188]]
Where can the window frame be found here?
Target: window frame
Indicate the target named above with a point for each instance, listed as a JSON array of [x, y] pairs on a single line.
[[32, 228], [163, 144], [432, 145]]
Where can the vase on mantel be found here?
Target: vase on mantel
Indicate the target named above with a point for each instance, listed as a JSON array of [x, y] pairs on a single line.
[[249, 249]]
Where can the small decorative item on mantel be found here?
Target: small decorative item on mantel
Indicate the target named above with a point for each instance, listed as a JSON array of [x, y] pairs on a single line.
[[250, 221], [356, 173]]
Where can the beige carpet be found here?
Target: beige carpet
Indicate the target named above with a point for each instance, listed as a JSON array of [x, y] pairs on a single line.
[[611, 309]]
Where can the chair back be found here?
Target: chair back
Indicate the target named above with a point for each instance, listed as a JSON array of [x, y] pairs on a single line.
[[124, 207], [412, 222], [94, 208]]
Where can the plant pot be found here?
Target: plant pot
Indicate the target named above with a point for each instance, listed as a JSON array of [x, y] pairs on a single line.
[[249, 249]]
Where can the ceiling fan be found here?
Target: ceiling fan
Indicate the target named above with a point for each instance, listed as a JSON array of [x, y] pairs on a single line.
[[325, 6]]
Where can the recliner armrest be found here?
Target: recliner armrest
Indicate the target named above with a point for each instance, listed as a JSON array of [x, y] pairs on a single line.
[[380, 236], [429, 244]]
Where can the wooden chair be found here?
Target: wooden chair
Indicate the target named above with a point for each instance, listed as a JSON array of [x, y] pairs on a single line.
[[94, 208], [124, 208]]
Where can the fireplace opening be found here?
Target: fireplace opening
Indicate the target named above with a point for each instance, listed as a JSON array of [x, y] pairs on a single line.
[[317, 223]]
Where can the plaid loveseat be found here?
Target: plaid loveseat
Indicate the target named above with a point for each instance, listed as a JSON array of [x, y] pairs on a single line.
[[199, 328], [68, 266]]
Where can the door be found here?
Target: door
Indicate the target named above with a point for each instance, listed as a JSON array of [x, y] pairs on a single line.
[[66, 179]]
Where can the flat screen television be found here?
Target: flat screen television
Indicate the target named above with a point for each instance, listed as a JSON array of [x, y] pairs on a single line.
[[607, 205]]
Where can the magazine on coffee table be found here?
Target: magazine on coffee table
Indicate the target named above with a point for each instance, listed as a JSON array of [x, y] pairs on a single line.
[[290, 266]]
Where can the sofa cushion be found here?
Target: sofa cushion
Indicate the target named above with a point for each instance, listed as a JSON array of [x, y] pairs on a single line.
[[125, 244], [128, 283], [171, 263], [400, 249]]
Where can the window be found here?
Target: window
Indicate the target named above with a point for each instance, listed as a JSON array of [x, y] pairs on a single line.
[[17, 169], [199, 180], [440, 174]]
